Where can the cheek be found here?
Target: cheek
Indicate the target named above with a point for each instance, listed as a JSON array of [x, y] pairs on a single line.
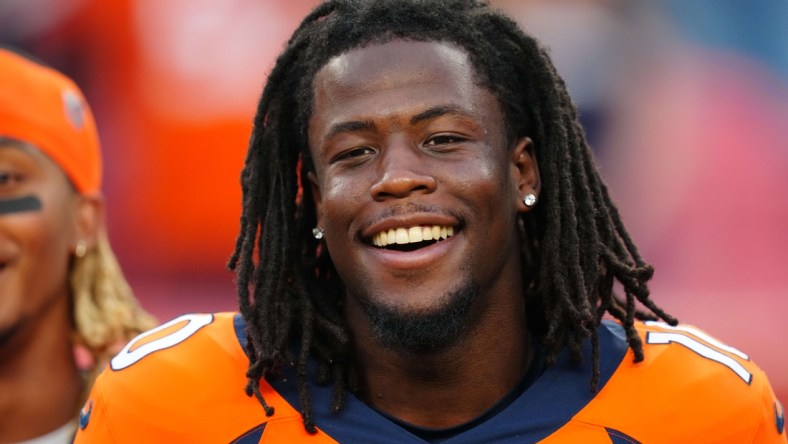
[[46, 238], [44, 235], [36, 237], [341, 198], [40, 245], [486, 182]]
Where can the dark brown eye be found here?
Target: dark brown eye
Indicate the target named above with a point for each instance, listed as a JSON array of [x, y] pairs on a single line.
[[355, 152], [9, 181], [443, 140], [7, 178]]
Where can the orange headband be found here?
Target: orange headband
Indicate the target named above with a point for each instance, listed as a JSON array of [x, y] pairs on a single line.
[[41, 106]]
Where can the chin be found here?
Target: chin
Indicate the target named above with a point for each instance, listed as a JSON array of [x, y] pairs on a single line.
[[426, 330]]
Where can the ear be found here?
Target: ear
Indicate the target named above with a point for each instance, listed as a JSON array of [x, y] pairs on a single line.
[[88, 219], [525, 171], [317, 197]]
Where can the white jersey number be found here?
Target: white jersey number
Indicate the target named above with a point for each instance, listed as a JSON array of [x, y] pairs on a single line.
[[709, 348], [142, 346]]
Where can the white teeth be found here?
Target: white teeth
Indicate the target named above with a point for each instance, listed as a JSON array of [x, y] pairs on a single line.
[[412, 235], [402, 236]]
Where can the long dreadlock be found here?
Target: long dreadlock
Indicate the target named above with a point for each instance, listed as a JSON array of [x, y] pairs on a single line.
[[574, 245]]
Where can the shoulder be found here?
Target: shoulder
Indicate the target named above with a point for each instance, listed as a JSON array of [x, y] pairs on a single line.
[[697, 358], [705, 389], [174, 344], [685, 354], [185, 381], [167, 380], [175, 363]]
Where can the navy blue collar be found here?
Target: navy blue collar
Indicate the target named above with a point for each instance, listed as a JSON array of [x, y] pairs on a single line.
[[550, 401]]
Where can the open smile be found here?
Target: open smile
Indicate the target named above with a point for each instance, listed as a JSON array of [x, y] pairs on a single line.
[[413, 254], [411, 238]]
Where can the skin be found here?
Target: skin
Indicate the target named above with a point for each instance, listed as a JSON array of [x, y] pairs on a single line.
[[402, 135], [40, 385]]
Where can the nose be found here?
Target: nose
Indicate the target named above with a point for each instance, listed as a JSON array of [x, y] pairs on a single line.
[[403, 173]]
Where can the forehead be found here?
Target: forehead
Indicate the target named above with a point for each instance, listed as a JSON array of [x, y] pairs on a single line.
[[12, 150], [18, 149], [396, 79], [403, 61], [13, 147]]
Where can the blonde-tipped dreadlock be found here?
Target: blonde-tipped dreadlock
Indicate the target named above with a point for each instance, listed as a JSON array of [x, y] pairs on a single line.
[[105, 310]]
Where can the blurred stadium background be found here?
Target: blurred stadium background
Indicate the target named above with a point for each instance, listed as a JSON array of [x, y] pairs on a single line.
[[685, 103]]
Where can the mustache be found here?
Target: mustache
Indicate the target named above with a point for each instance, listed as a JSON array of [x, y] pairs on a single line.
[[20, 204], [410, 207], [399, 210]]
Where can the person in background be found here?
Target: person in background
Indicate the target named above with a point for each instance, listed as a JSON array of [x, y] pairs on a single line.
[[428, 253], [65, 306]]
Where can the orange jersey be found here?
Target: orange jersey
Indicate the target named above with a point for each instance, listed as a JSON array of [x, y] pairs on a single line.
[[689, 388], [184, 382]]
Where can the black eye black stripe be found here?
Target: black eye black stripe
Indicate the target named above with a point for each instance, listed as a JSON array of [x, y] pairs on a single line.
[[20, 204]]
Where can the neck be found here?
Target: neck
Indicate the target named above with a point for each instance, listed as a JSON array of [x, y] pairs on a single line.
[[40, 385], [454, 385]]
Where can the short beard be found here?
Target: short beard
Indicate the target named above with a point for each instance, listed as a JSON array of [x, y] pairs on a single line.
[[423, 332]]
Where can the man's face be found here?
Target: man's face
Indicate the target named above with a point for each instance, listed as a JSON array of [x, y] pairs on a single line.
[[406, 143]]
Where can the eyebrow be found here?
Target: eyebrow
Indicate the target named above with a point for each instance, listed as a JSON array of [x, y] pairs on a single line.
[[350, 127], [436, 111], [363, 125]]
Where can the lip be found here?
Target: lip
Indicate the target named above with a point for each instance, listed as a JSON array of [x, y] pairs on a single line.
[[416, 259]]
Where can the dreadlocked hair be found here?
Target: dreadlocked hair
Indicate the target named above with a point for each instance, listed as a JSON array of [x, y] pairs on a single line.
[[106, 313], [574, 245]]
